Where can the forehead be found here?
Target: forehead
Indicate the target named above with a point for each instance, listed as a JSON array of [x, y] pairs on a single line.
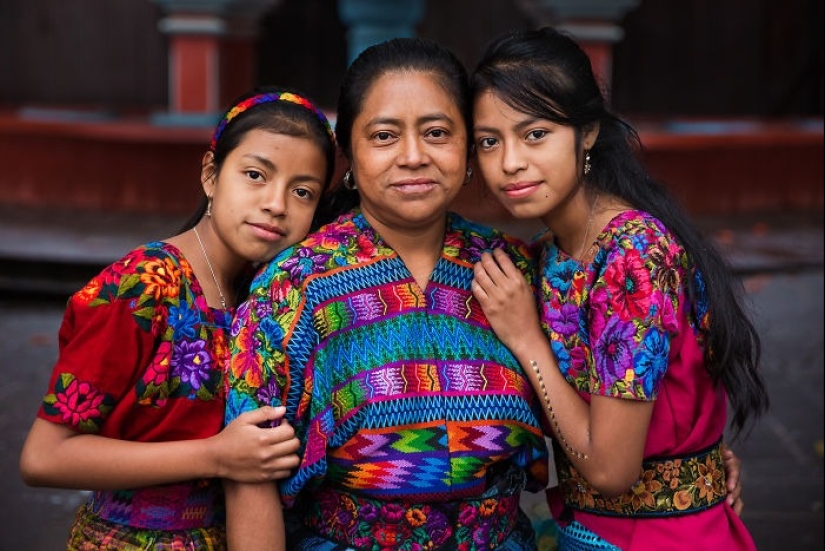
[[280, 149], [489, 107], [408, 93]]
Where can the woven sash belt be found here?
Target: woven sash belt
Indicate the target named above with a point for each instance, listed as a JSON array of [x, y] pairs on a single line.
[[666, 487], [182, 506]]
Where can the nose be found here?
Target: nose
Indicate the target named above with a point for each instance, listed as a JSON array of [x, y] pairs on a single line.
[[511, 159], [412, 151], [275, 199]]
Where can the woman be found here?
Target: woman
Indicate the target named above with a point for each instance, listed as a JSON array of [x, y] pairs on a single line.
[[640, 338], [418, 428], [135, 404]]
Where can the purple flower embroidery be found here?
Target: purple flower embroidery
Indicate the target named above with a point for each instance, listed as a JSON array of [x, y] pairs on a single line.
[[614, 354], [191, 362]]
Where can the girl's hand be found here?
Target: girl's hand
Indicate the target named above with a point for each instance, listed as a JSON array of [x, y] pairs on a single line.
[[507, 299], [246, 452]]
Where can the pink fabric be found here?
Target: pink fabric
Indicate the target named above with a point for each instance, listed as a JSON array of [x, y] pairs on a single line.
[[633, 296]]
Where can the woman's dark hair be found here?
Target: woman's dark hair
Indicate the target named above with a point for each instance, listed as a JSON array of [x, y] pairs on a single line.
[[546, 74], [292, 115], [278, 110], [395, 55]]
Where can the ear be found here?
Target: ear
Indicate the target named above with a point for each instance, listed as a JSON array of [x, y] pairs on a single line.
[[589, 135], [209, 173]]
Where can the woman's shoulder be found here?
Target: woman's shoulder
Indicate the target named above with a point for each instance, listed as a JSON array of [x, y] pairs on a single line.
[[471, 238], [630, 228], [477, 231], [147, 267], [344, 241]]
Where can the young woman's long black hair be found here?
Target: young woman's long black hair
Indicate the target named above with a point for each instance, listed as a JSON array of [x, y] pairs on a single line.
[[545, 73]]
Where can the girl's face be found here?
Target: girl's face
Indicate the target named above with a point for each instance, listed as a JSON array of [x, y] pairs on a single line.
[[531, 165], [266, 193], [409, 151]]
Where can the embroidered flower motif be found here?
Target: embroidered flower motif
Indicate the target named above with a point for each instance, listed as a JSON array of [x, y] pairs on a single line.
[[192, 363], [630, 279], [161, 278], [78, 403]]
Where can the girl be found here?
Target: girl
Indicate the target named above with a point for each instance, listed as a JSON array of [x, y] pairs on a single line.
[[135, 405], [640, 338]]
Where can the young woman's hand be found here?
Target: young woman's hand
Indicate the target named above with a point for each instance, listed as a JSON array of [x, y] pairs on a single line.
[[507, 299], [246, 452]]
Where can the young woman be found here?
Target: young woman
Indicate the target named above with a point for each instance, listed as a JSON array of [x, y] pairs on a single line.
[[135, 405], [640, 338], [418, 428]]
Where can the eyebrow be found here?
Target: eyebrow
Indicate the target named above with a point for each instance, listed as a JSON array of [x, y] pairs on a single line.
[[431, 117], [518, 126], [263, 160]]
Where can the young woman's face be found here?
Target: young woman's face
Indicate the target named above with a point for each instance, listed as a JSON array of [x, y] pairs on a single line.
[[531, 165], [409, 150], [266, 193]]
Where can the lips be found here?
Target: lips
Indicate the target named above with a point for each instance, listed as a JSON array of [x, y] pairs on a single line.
[[519, 189], [414, 187], [268, 231]]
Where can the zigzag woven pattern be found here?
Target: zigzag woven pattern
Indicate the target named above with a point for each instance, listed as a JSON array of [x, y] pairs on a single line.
[[170, 507], [393, 390]]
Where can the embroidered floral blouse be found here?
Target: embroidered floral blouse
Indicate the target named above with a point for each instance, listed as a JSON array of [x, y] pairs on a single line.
[[140, 353], [622, 326]]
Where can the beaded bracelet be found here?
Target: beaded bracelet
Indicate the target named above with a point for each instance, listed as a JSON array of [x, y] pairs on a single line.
[[553, 420]]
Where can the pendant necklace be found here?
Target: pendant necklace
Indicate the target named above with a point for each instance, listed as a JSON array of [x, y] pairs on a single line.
[[214, 278], [586, 230]]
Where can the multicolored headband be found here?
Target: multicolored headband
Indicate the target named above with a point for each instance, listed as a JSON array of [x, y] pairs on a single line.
[[268, 98]]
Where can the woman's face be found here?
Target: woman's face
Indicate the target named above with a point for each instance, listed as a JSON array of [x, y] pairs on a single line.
[[266, 193], [531, 165], [409, 151]]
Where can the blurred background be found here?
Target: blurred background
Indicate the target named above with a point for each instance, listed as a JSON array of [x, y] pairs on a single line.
[[107, 106]]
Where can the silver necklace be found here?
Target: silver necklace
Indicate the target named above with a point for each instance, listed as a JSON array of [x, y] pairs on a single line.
[[206, 256], [587, 229]]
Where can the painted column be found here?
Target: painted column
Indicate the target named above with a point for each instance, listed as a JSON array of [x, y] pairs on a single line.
[[211, 53], [595, 25], [373, 21]]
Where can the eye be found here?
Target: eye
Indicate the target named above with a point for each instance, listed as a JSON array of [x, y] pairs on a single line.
[[537, 134], [254, 175], [383, 136], [486, 143], [437, 133], [304, 193]]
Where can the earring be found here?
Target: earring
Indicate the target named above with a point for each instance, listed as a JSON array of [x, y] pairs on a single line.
[[348, 183], [587, 165], [469, 175], [209, 208]]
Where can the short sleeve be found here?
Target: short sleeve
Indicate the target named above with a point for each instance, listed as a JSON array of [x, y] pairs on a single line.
[[634, 305], [108, 338]]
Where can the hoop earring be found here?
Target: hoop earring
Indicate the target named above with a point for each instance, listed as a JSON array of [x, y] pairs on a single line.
[[587, 166], [348, 183], [469, 175], [209, 208]]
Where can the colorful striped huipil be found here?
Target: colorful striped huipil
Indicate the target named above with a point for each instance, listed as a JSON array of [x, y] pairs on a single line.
[[418, 427]]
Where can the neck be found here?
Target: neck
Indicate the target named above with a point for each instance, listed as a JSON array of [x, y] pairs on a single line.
[[216, 275], [418, 246]]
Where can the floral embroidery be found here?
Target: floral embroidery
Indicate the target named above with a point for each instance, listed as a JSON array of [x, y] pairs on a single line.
[[153, 287], [376, 525], [665, 487], [613, 319], [78, 403]]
